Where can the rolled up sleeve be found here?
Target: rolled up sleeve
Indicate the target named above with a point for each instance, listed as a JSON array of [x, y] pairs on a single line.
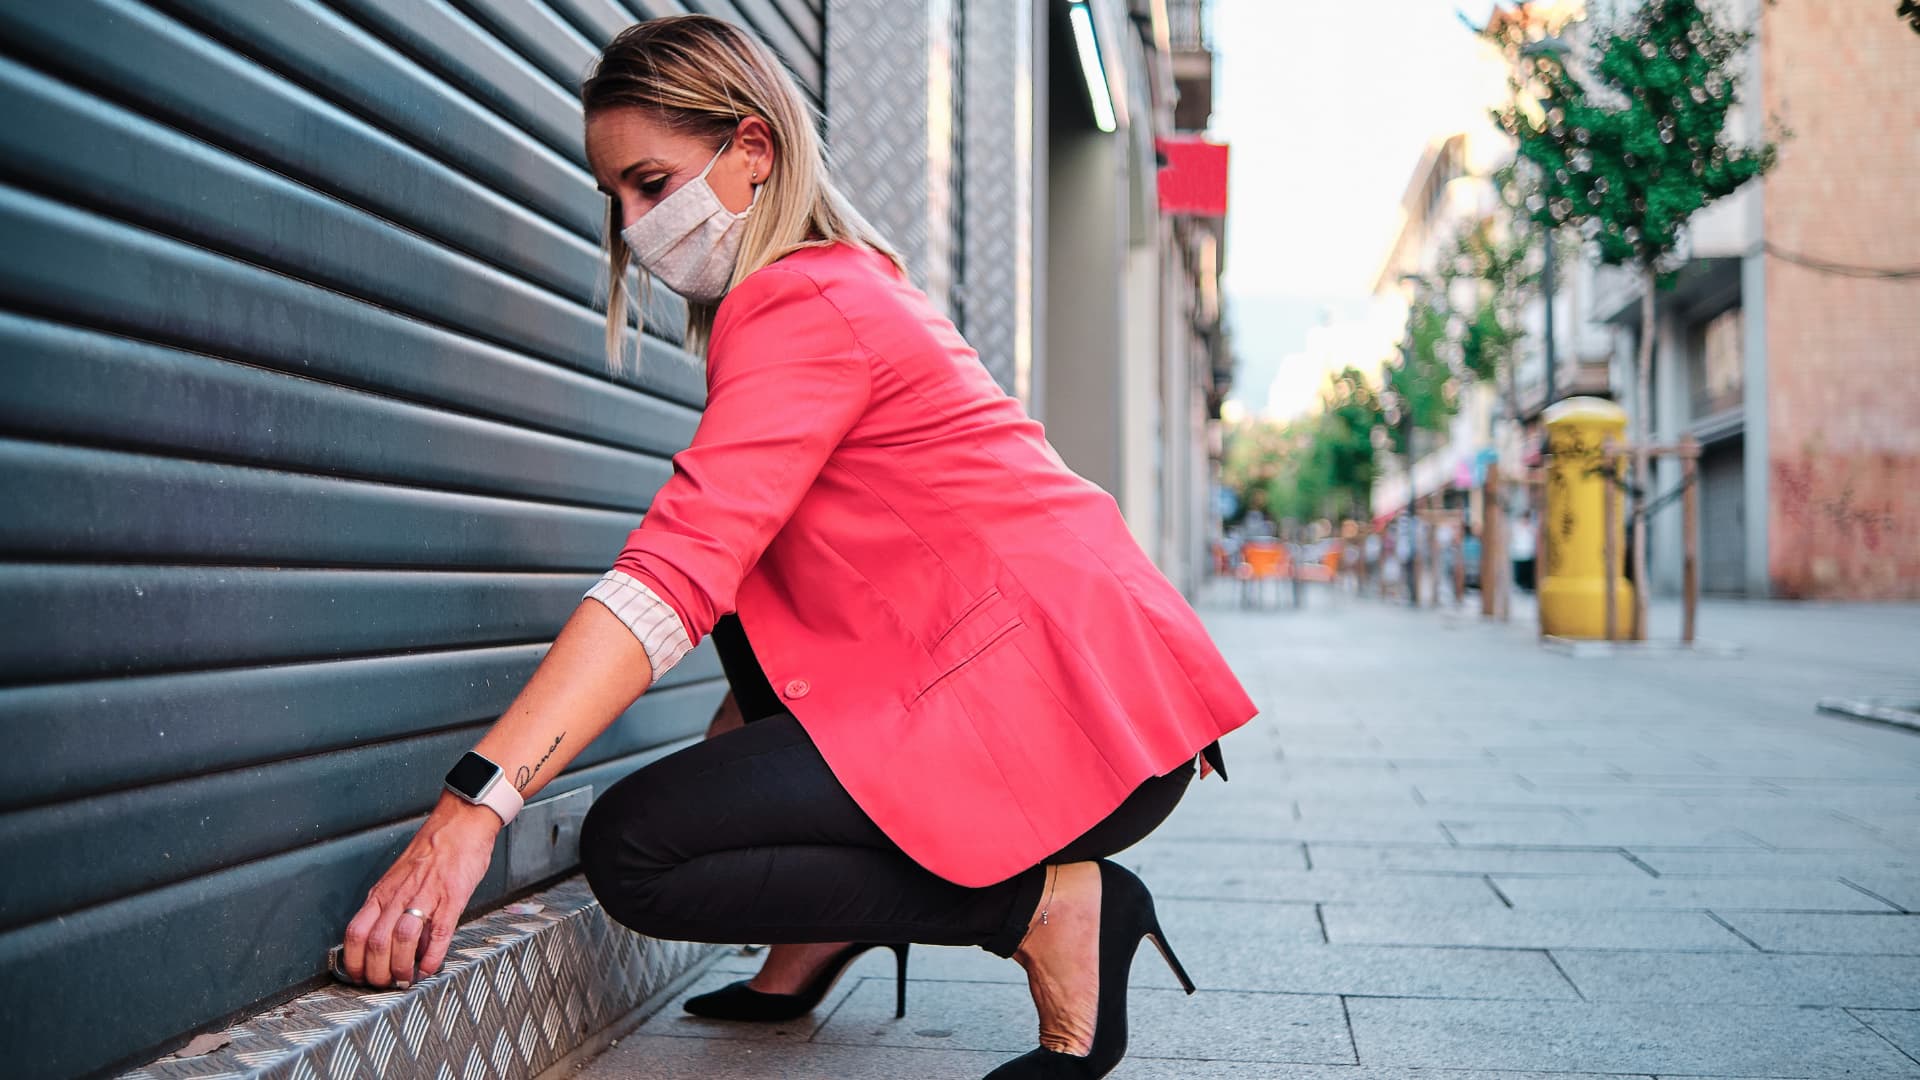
[[786, 381], [659, 629]]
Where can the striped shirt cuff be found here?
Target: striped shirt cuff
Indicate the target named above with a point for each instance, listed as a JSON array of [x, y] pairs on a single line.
[[650, 618]]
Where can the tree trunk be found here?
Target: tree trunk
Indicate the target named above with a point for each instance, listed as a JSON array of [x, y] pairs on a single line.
[[1642, 480]]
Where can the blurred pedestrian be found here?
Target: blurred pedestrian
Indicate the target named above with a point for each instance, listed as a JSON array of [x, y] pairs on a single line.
[[1522, 546]]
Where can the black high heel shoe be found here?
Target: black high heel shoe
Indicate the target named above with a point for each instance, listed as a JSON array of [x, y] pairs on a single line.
[[738, 1001], [1126, 916]]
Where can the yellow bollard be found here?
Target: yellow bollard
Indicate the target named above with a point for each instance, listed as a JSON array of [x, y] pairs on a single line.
[[1573, 586]]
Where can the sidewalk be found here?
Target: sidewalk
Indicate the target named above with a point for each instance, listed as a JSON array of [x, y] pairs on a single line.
[[1445, 848]]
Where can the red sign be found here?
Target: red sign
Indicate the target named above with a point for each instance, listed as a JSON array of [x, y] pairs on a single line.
[[1194, 178]]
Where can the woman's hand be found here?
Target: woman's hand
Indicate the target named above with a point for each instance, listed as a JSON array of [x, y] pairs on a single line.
[[595, 669], [436, 874]]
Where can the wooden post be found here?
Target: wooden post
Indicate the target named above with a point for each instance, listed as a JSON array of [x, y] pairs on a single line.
[[1690, 529], [1542, 539], [1412, 554], [1610, 548], [1460, 562], [1492, 524], [1503, 557], [1432, 549]]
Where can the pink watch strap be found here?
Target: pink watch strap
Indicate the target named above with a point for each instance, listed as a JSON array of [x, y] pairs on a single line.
[[503, 798]]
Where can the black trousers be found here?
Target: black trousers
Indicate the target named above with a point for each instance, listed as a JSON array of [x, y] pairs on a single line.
[[749, 837]]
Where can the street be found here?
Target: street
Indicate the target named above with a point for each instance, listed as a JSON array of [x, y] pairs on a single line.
[[1444, 847]]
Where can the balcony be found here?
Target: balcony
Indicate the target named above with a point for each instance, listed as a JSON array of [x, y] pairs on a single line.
[[1190, 30]]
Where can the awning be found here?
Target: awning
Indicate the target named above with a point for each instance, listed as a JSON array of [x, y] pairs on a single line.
[[1194, 178]]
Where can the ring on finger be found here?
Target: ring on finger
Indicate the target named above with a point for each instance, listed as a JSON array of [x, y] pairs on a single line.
[[422, 916]]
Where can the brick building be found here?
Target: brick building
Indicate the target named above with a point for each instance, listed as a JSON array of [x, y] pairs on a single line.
[[1786, 347]]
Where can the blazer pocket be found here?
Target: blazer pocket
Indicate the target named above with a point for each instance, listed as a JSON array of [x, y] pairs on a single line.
[[986, 622], [995, 638]]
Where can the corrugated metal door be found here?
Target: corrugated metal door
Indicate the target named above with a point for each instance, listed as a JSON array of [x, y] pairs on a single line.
[[1723, 518], [306, 450]]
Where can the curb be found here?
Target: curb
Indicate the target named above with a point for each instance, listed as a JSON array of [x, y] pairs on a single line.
[[1594, 649], [1900, 714]]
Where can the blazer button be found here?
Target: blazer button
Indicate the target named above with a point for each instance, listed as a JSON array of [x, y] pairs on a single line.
[[797, 688]]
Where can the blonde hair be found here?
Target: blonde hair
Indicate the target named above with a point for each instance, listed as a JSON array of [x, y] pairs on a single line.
[[702, 76]]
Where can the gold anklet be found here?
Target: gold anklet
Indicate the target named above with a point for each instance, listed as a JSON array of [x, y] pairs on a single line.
[[1047, 903]]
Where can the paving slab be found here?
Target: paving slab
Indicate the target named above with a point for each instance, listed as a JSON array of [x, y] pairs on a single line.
[[1281, 827], [1701, 1040], [1277, 923], [1191, 857], [1899, 888], [1899, 1027], [1367, 969], [1152, 1069], [1357, 924], [1452, 890], [1774, 864], [1219, 1025], [1650, 833], [1221, 955], [1313, 810], [1743, 979], [1885, 935], [1819, 833], [1446, 858], [1720, 894], [644, 1057]]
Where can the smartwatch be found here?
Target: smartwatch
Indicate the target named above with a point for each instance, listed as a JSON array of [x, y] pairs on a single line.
[[483, 783]]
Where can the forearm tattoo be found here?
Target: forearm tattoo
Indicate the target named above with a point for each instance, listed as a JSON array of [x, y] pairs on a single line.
[[525, 776]]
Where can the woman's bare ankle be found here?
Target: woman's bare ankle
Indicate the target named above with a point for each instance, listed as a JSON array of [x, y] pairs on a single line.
[[789, 968], [1061, 954], [1069, 897]]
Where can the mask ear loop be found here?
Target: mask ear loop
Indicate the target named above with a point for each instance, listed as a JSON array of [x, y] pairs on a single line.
[[754, 188], [715, 159]]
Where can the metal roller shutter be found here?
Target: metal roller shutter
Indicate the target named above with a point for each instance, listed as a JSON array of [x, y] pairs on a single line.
[[307, 449]]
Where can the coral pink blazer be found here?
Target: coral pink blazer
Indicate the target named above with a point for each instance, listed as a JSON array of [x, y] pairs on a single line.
[[963, 625]]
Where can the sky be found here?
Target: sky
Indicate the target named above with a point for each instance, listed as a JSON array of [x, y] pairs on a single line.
[[1328, 105]]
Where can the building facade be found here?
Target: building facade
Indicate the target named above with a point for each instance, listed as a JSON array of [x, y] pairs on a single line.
[[1788, 346], [1790, 343]]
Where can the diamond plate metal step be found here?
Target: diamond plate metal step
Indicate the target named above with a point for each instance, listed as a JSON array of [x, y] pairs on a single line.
[[522, 988]]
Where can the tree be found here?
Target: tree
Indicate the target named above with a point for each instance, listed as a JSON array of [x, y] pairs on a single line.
[[1319, 466], [1254, 458], [1419, 382], [1629, 155], [1496, 258], [1343, 446]]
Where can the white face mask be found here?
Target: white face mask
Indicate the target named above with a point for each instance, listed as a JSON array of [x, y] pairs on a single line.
[[690, 240]]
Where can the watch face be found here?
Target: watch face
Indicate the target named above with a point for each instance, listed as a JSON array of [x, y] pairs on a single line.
[[470, 774]]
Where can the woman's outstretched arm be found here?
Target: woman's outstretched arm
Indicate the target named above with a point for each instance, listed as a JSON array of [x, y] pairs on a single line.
[[593, 671]]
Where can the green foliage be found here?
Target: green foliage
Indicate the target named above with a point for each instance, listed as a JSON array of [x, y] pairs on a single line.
[[1420, 381], [1486, 341], [1254, 457], [1317, 467], [1498, 267], [1343, 452], [1631, 157]]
